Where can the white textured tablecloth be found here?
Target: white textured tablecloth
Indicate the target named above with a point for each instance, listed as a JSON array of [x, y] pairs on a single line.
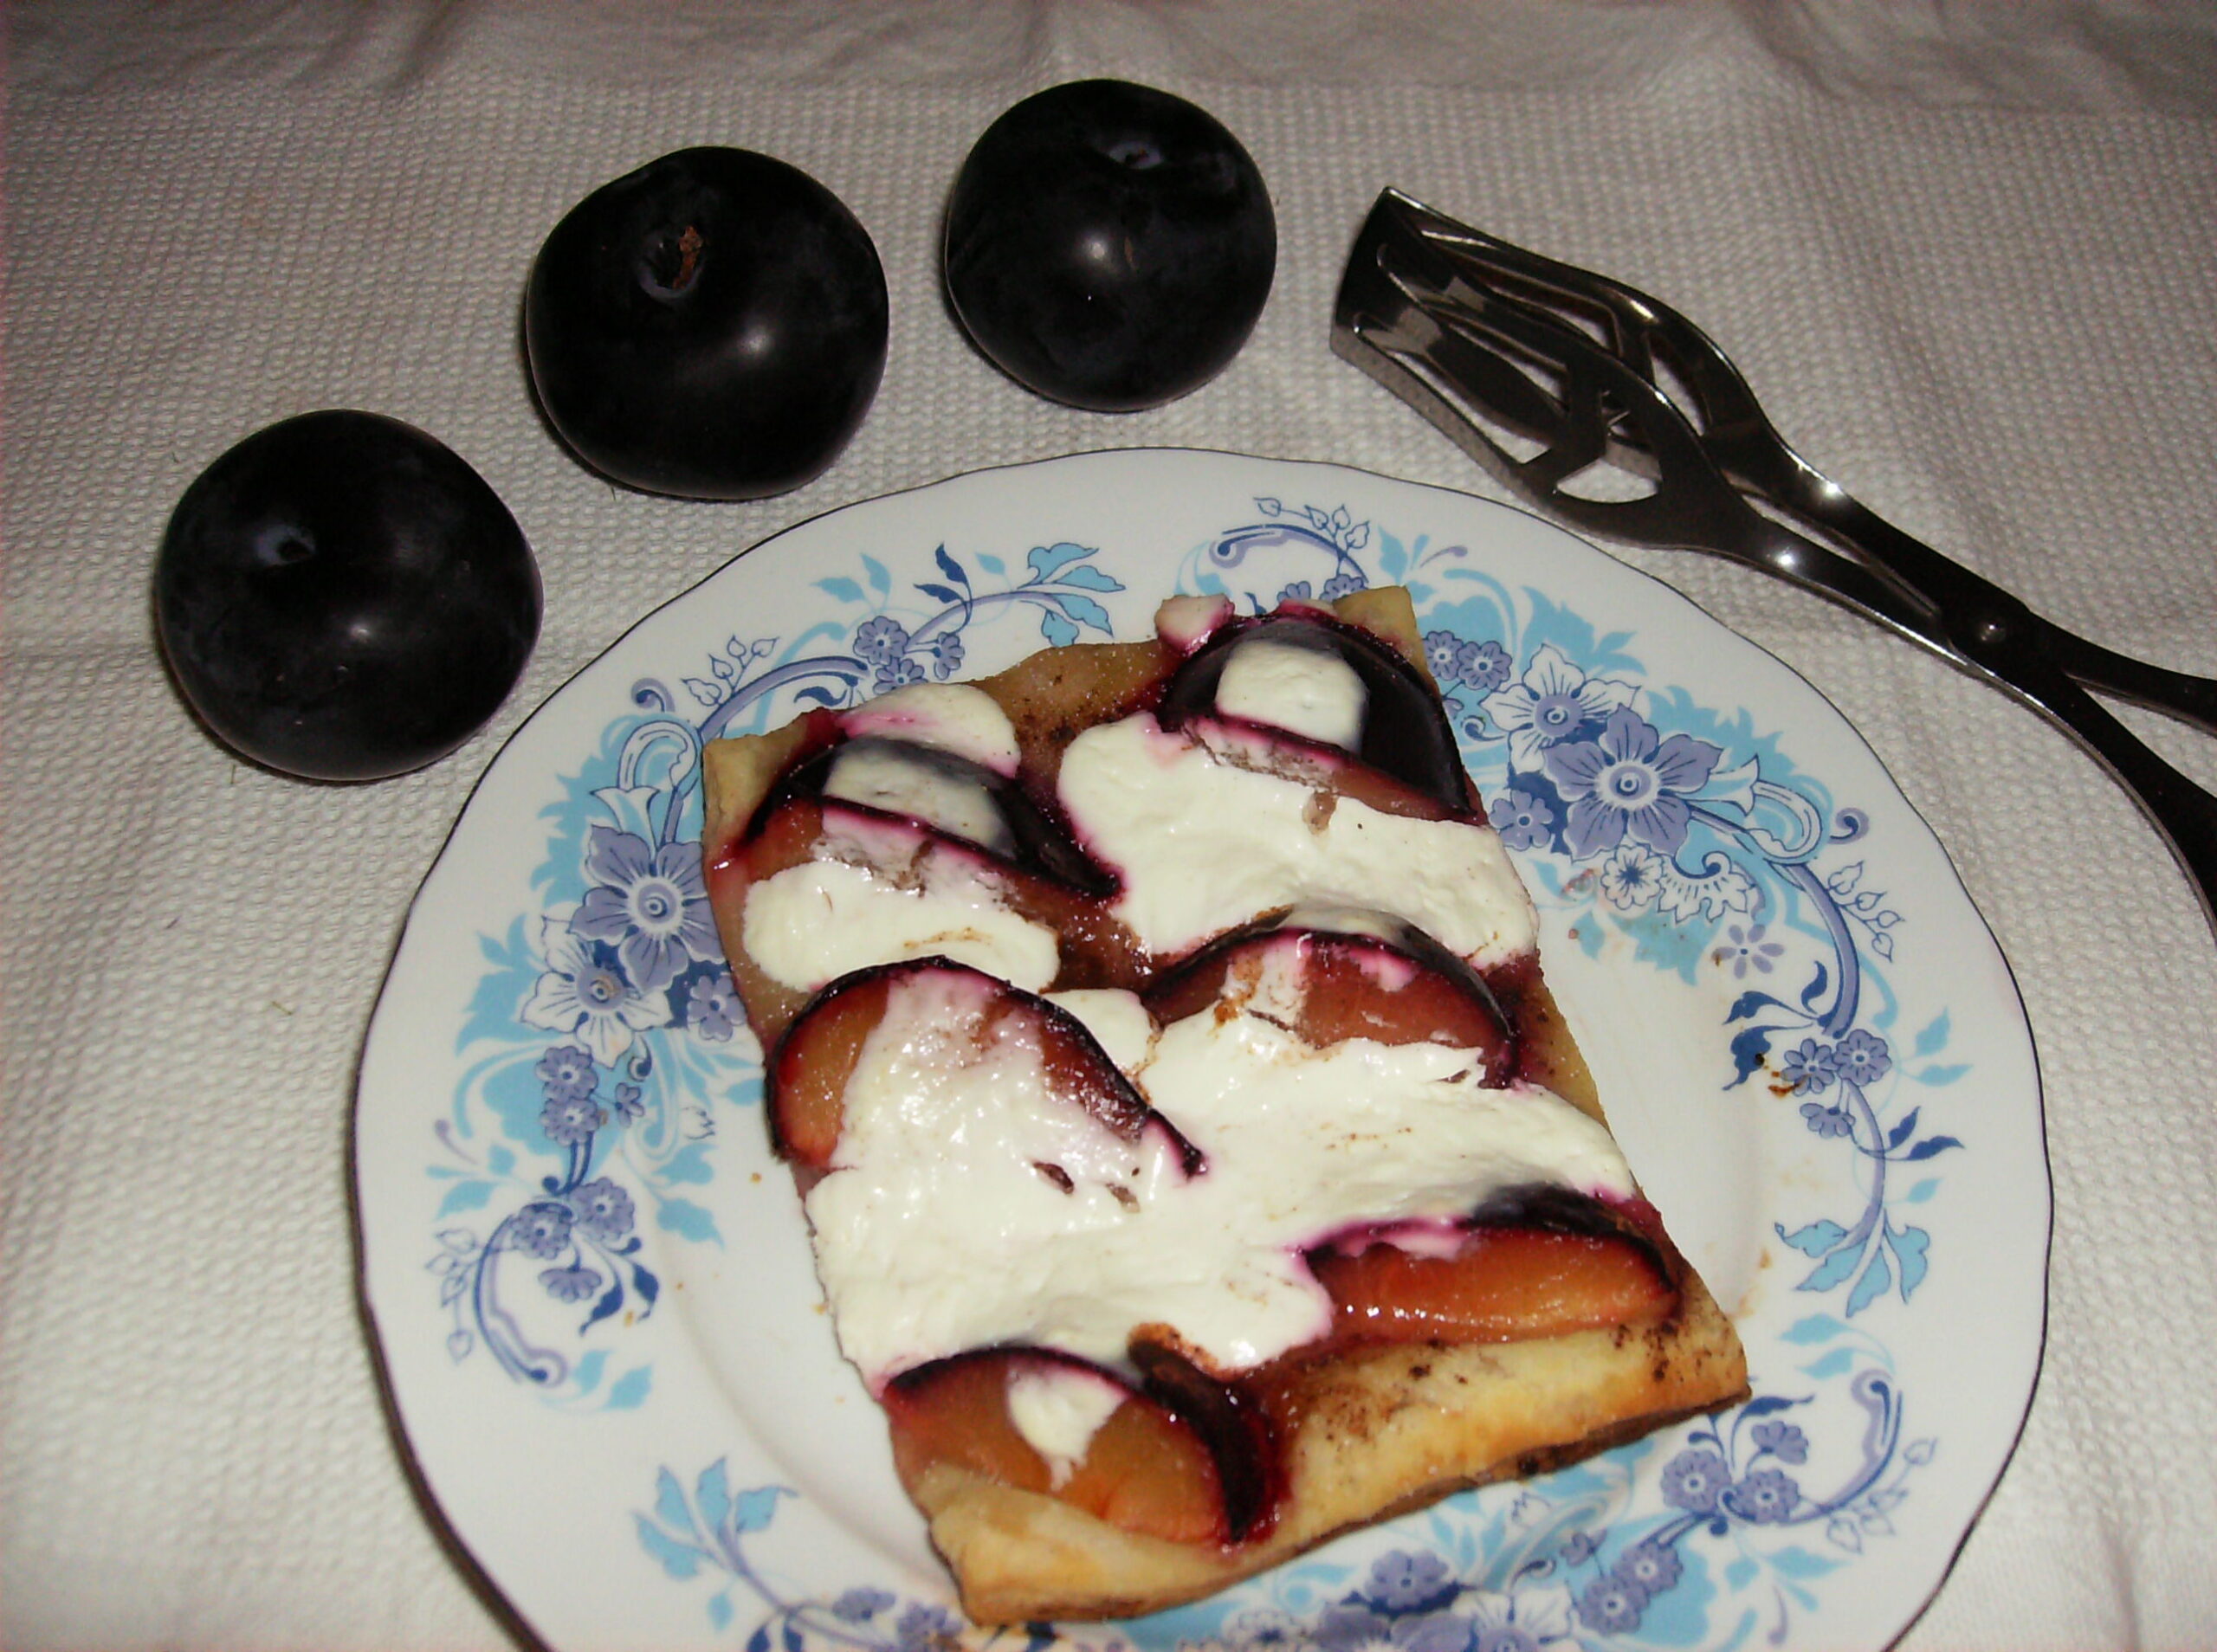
[[1964, 252]]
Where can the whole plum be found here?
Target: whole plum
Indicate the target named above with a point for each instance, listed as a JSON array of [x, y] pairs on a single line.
[[712, 325], [1108, 245], [340, 596]]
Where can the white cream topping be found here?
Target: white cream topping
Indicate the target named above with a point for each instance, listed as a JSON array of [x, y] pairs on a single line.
[[1185, 622], [1058, 1409], [1202, 845], [1366, 921], [891, 894], [1307, 692], [937, 1232], [1117, 1020], [882, 775], [953, 717], [935, 1229]]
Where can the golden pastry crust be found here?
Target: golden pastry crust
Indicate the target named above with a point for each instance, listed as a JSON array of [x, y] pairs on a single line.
[[1373, 1434], [1360, 1433]]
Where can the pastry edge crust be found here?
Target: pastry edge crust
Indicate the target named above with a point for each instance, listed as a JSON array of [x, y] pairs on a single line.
[[1387, 1430]]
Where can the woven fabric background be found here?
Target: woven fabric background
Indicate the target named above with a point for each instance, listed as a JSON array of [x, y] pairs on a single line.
[[1964, 253]]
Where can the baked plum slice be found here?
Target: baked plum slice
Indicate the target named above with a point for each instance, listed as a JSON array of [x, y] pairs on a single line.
[[816, 1059], [1148, 1468], [1248, 1476], [1536, 1261], [1388, 718], [1364, 975], [947, 795], [789, 830]]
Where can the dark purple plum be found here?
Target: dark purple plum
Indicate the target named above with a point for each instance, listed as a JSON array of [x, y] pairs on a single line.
[[342, 597], [712, 325], [1110, 246], [1405, 732]]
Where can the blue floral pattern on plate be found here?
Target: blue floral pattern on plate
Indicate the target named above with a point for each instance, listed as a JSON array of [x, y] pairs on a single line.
[[603, 1061]]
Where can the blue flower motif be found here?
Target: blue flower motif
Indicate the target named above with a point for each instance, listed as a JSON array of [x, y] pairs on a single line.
[[604, 1209], [1611, 1605], [881, 640], [1265, 1628], [857, 1605], [1432, 1632], [898, 674], [1405, 1581], [1631, 878], [1746, 949], [1296, 592], [1861, 1059], [946, 655], [627, 1102], [650, 903], [1578, 1548], [587, 995], [925, 1628], [569, 1122], [566, 1073], [1650, 1566], [1349, 1627], [1765, 1497], [1345, 583], [1440, 648], [1525, 822], [1353, 1627], [1694, 1481], [1810, 1069], [542, 1228], [1631, 779], [570, 1284], [1551, 703], [712, 1007], [1525, 1620], [1482, 666], [1783, 1441], [1827, 1121]]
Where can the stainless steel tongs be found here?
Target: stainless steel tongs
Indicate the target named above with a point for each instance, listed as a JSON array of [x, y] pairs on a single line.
[[1549, 374]]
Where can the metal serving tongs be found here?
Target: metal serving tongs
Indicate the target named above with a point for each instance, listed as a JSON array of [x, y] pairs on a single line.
[[1578, 370]]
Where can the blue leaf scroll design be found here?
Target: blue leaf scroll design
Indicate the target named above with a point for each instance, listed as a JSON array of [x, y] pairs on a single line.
[[703, 1532]]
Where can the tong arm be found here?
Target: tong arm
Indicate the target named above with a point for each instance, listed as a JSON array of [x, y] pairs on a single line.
[[1657, 342], [1461, 355]]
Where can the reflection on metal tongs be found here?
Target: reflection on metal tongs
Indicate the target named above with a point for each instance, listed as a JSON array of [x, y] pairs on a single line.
[[1545, 371]]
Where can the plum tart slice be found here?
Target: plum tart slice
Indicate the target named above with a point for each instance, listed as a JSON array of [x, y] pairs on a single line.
[[1197, 1164]]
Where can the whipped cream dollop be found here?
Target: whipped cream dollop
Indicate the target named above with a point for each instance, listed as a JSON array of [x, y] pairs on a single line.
[[1203, 841], [1058, 1409], [895, 778], [955, 717], [1318, 696], [884, 891]]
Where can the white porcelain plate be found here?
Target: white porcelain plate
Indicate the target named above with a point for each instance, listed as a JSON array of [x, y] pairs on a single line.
[[592, 1283]]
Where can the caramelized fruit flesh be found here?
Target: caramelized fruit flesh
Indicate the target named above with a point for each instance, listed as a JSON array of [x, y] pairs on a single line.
[[1501, 1285], [1147, 1469], [1356, 986], [818, 1057]]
